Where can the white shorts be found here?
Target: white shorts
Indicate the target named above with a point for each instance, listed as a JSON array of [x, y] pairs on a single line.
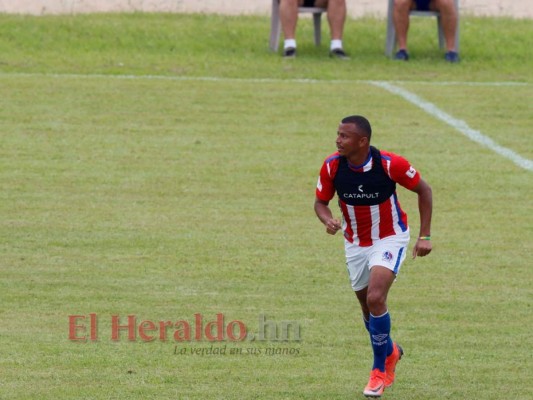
[[389, 252]]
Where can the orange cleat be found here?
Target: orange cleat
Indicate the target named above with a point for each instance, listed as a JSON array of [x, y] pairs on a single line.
[[390, 363], [376, 384]]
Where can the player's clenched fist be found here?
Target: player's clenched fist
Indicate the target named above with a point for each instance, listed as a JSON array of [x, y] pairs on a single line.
[[332, 226]]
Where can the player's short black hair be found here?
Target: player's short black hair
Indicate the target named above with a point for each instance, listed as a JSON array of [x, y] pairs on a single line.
[[361, 122]]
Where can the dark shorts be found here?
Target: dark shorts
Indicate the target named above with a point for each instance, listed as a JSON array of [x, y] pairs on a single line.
[[309, 3], [422, 5]]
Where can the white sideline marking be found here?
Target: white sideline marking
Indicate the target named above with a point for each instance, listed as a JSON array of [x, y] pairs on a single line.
[[458, 124], [430, 108], [250, 80], [459, 83]]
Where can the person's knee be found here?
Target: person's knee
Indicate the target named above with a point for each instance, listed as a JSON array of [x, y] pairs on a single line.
[[292, 3], [376, 301], [329, 4], [444, 6], [402, 5]]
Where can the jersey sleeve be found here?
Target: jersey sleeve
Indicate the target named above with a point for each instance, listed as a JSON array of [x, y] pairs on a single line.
[[325, 189], [400, 170]]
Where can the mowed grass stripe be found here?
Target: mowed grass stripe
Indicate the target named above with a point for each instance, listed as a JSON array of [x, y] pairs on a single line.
[[458, 124]]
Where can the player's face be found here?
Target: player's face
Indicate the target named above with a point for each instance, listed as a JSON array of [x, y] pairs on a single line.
[[350, 142]]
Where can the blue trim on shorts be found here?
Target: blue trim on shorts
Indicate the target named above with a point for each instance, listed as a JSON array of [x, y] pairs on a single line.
[[398, 261]]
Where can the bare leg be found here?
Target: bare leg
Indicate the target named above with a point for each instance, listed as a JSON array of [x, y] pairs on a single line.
[[381, 280], [401, 20], [336, 17], [373, 299], [288, 15], [361, 296], [449, 20]]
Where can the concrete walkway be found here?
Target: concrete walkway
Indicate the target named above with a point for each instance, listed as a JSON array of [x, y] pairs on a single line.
[[356, 8]]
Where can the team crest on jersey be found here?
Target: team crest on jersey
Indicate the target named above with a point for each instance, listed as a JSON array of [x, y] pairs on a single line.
[[411, 172], [387, 256]]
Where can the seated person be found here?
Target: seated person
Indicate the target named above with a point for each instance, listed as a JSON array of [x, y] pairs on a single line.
[[449, 24], [336, 10]]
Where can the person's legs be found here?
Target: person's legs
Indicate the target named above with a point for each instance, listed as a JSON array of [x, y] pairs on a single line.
[[381, 280], [336, 18], [385, 260], [400, 17], [288, 15], [371, 283], [449, 20], [336, 10], [361, 297]]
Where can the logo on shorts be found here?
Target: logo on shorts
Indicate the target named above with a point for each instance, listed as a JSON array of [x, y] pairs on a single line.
[[387, 256]]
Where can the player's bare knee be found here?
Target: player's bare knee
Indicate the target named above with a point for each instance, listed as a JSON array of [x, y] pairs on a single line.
[[376, 302]]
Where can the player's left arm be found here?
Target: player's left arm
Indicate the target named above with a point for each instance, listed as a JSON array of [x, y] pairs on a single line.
[[403, 173], [425, 207]]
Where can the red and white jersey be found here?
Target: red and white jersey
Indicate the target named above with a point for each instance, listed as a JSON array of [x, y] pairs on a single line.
[[368, 215]]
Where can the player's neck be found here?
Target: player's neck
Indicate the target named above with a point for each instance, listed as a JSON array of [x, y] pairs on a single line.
[[359, 159]]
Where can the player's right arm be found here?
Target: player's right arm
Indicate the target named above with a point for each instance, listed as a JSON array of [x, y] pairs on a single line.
[[325, 191], [323, 212]]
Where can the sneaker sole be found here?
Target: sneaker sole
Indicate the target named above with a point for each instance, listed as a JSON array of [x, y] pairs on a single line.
[[375, 394], [372, 396]]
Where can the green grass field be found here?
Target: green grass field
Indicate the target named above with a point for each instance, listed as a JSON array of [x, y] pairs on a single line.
[[164, 166]]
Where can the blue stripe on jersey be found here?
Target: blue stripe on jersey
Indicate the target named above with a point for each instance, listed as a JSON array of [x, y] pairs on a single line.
[[397, 265], [398, 213], [334, 157]]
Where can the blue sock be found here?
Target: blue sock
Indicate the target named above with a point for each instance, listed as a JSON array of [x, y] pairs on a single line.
[[389, 346], [380, 338], [389, 342]]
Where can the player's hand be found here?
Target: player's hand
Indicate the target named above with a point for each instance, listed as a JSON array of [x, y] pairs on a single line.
[[332, 226], [422, 248]]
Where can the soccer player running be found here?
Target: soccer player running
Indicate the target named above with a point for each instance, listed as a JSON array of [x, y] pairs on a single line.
[[375, 229]]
